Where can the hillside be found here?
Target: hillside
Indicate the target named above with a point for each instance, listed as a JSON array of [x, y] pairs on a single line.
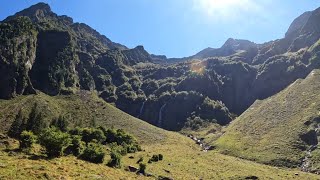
[[183, 159], [280, 130]]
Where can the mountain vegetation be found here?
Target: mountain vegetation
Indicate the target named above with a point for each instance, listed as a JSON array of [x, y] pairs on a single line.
[[69, 92]]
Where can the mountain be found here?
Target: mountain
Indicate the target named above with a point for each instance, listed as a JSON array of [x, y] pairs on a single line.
[[57, 56]]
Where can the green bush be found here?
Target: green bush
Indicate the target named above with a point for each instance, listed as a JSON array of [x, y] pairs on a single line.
[[131, 148], [90, 134], [77, 146], [54, 141], [156, 158], [111, 135], [121, 149], [93, 153], [115, 160], [27, 139]]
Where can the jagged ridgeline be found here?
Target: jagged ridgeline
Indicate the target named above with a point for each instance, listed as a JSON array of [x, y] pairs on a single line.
[[41, 51]]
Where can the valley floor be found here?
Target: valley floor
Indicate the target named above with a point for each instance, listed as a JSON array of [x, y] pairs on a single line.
[[182, 160]]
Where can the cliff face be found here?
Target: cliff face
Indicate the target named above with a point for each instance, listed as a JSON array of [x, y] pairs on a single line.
[[17, 55]]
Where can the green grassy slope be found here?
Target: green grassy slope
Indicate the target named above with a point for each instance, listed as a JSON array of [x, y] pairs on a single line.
[[183, 159], [272, 130], [84, 109]]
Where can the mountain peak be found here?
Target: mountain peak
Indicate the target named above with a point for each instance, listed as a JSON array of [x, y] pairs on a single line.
[[237, 43], [35, 12], [42, 6], [140, 47], [298, 24]]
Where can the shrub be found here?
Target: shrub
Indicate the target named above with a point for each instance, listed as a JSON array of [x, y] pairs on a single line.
[[156, 158], [17, 126], [160, 157], [27, 139], [111, 135], [89, 135], [123, 137], [131, 148], [142, 168], [93, 153], [77, 146], [54, 141], [115, 160], [121, 149], [76, 131]]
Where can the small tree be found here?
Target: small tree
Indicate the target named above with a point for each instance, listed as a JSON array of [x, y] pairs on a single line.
[[17, 126], [93, 153], [142, 168], [61, 123], [54, 141], [35, 121], [27, 139], [115, 159]]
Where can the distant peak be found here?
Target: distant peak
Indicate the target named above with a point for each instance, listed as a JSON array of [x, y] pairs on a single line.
[[41, 5], [140, 47], [45, 8], [35, 12]]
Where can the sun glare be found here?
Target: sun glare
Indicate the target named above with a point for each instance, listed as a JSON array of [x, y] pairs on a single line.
[[225, 8]]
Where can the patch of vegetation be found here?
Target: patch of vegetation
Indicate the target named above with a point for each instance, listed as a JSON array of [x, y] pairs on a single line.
[[54, 141], [93, 153], [115, 160], [27, 139], [156, 158]]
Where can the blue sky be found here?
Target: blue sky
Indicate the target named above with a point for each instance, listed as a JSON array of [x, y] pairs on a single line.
[[178, 28]]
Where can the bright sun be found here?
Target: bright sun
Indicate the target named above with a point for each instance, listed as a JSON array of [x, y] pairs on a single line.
[[225, 8]]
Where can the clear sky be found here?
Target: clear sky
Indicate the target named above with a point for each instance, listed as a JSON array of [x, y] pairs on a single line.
[[177, 28]]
